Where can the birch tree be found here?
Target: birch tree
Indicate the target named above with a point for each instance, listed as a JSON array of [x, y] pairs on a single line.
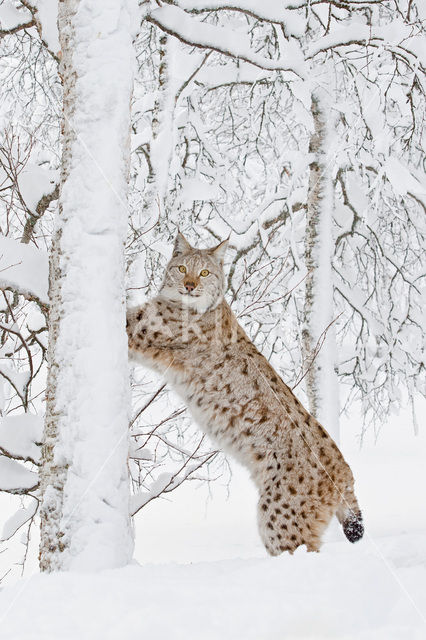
[[84, 480], [318, 348]]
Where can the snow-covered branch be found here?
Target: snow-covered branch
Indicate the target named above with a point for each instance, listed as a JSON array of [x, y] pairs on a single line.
[[396, 38], [24, 269], [15, 478], [167, 482], [176, 22], [13, 20], [269, 10], [19, 519]]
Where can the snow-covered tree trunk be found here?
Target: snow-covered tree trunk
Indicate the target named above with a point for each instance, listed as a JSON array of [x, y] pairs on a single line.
[[318, 333], [158, 157], [161, 124], [84, 478], [162, 135]]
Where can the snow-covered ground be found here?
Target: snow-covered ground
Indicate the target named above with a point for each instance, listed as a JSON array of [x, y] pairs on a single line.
[[335, 594], [204, 575]]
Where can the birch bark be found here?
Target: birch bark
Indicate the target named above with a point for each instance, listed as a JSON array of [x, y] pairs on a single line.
[[162, 137], [85, 520], [319, 343]]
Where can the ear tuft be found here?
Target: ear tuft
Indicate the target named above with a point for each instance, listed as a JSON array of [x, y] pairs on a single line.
[[219, 251], [181, 245]]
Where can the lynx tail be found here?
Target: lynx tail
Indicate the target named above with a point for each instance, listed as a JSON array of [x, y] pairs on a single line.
[[350, 517]]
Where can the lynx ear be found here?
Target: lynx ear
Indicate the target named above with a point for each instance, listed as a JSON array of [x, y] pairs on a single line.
[[219, 251], [181, 245]]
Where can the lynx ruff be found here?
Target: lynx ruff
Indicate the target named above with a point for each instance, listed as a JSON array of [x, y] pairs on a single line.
[[189, 334]]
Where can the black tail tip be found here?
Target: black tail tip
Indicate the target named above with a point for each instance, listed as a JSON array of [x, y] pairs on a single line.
[[353, 527]]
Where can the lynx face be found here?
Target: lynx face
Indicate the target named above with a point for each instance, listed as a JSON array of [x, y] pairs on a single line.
[[194, 277]]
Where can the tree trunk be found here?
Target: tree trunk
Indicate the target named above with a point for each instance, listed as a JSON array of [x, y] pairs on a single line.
[[318, 336], [84, 476], [158, 160], [162, 125], [160, 155]]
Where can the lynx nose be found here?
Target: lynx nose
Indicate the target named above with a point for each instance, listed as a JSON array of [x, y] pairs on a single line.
[[190, 286]]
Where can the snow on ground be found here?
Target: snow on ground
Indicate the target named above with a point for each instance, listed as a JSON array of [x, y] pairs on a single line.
[[375, 589], [335, 594]]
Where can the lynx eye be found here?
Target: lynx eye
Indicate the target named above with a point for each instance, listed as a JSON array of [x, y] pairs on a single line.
[[182, 268], [204, 273]]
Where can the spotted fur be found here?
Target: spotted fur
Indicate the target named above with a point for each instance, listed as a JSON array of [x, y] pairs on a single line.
[[190, 335]]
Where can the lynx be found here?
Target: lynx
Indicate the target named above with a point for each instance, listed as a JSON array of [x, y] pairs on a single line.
[[189, 334]]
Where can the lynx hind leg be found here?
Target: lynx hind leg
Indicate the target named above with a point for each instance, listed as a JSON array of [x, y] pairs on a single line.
[[286, 523], [273, 524], [320, 516]]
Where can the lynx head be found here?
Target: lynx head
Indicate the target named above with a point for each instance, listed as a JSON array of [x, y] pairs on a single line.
[[194, 277]]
